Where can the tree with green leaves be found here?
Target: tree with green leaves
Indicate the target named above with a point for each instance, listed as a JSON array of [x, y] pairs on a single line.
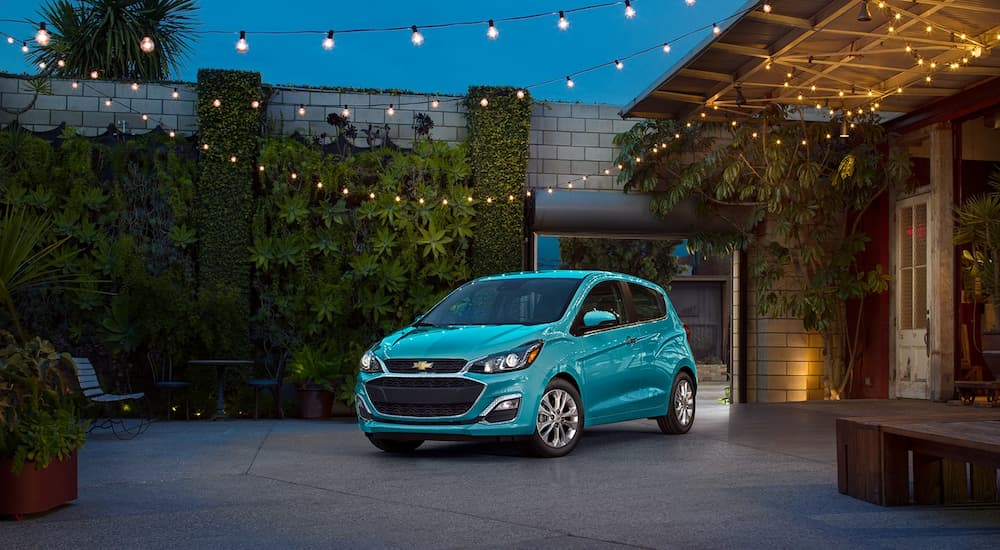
[[120, 39], [793, 193]]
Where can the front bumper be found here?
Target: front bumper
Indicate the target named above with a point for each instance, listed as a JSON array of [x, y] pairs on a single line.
[[457, 406]]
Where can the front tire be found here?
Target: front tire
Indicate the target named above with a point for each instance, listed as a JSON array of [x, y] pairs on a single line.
[[395, 446], [559, 423], [680, 410]]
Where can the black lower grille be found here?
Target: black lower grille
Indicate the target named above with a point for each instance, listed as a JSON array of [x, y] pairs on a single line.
[[417, 366], [423, 397]]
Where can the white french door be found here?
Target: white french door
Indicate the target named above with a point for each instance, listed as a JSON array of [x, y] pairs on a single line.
[[912, 343]]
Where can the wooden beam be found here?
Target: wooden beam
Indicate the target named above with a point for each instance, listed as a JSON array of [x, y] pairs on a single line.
[[677, 96], [748, 51], [705, 75]]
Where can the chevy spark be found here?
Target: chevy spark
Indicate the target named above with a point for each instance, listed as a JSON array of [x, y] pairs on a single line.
[[534, 357]]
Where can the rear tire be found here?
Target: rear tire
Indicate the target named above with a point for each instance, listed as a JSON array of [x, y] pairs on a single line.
[[559, 423], [395, 446], [680, 409]]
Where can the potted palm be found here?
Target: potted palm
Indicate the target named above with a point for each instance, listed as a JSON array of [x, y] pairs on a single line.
[[315, 375], [977, 224]]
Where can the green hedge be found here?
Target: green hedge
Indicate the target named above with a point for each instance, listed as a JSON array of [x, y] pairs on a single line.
[[498, 149], [225, 193]]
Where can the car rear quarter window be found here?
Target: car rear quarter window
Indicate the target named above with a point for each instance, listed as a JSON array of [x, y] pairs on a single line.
[[648, 303]]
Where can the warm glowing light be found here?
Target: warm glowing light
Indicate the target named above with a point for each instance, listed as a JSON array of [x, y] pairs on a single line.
[[491, 32], [563, 22], [135, 86], [10, 39], [390, 111], [260, 168], [232, 159], [398, 198], [204, 147], [416, 37], [767, 7], [371, 195], [255, 104], [216, 102], [145, 116], [619, 65], [61, 62], [328, 41], [242, 46], [689, 2], [435, 103], [24, 47], [666, 47], [75, 84], [295, 176], [520, 94], [147, 45], [344, 191], [42, 36], [929, 28], [42, 65], [629, 10], [908, 48], [302, 110], [107, 102], [172, 133], [716, 30], [569, 82], [346, 113], [484, 102], [175, 94]]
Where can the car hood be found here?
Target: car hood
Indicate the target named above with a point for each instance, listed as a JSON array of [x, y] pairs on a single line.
[[456, 342]]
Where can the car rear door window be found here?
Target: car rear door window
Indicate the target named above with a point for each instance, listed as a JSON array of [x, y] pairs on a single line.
[[648, 303]]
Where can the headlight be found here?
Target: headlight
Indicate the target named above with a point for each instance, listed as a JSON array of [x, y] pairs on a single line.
[[370, 363], [515, 359]]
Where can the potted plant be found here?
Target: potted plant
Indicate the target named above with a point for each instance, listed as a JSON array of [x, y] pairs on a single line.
[[40, 431], [977, 224], [315, 375]]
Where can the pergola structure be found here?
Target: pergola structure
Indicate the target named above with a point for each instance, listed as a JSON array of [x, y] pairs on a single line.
[[895, 56], [929, 69]]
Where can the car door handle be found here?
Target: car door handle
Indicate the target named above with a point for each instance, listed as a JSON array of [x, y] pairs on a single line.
[[630, 340]]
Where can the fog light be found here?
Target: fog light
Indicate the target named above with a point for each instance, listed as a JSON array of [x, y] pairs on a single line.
[[362, 410], [504, 410]]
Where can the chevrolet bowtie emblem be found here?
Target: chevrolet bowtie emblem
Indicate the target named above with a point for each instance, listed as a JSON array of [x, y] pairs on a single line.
[[423, 365]]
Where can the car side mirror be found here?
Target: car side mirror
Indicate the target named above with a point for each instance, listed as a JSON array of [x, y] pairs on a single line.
[[598, 318]]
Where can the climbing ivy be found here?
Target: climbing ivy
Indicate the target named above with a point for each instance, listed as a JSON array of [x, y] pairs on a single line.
[[229, 127], [498, 152]]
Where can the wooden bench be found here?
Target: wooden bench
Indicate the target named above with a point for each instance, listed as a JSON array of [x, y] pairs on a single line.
[[90, 385], [942, 459]]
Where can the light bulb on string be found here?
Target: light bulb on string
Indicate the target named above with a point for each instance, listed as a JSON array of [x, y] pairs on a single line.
[[75, 84], [145, 117], [484, 102], [42, 65], [666, 47], [175, 94], [689, 2], [345, 112], [61, 62], [242, 46], [491, 31], [629, 10], [302, 110], [42, 37], [135, 86], [107, 102], [569, 82], [172, 134], [416, 37], [766, 7], [328, 41], [716, 30], [24, 47], [255, 104], [10, 39], [563, 23], [390, 111], [435, 103], [520, 94], [216, 102], [619, 65], [147, 45]]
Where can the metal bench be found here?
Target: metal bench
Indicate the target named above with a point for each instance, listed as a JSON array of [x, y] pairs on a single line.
[[108, 403]]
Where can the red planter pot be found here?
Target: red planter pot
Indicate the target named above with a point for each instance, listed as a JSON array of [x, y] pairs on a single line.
[[33, 491], [314, 402]]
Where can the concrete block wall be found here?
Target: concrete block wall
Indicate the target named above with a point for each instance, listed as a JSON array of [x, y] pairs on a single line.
[[570, 140]]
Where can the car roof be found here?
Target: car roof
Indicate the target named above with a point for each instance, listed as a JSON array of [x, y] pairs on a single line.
[[578, 274]]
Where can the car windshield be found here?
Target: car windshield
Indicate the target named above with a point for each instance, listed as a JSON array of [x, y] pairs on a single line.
[[521, 301]]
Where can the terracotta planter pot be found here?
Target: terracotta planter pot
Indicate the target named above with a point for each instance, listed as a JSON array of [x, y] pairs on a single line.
[[33, 491], [314, 402]]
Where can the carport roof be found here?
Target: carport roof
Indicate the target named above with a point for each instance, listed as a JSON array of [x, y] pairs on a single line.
[[818, 50]]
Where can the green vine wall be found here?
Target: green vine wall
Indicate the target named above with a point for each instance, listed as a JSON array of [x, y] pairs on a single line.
[[229, 129], [498, 153]]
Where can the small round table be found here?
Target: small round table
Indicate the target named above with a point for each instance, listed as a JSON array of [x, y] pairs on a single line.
[[220, 371]]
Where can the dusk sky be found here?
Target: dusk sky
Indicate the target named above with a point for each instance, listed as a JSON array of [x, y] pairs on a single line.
[[527, 53]]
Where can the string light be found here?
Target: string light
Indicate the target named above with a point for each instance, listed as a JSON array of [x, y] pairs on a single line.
[[346, 113], [232, 159], [328, 41], [435, 103], [416, 37], [716, 30], [666, 47], [242, 46], [390, 111], [689, 2], [569, 82], [491, 32], [629, 10], [75, 85], [216, 102], [619, 65], [42, 36], [147, 45], [135, 86], [520, 94], [302, 110], [61, 62], [175, 94], [24, 47], [107, 102], [10, 39], [484, 102], [255, 104], [767, 7]]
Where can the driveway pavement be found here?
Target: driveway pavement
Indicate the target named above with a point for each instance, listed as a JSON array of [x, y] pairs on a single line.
[[746, 476]]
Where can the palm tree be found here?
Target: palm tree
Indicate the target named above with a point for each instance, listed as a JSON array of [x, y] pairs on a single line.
[[110, 37]]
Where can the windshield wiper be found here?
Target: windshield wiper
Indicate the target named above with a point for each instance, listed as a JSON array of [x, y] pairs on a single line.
[[423, 324]]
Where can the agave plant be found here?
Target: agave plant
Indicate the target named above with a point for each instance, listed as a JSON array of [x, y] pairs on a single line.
[[28, 261], [108, 36]]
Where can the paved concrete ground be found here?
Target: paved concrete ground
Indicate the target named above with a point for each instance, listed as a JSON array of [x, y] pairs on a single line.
[[747, 476]]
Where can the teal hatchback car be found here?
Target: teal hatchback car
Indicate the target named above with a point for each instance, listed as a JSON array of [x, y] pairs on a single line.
[[532, 356]]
